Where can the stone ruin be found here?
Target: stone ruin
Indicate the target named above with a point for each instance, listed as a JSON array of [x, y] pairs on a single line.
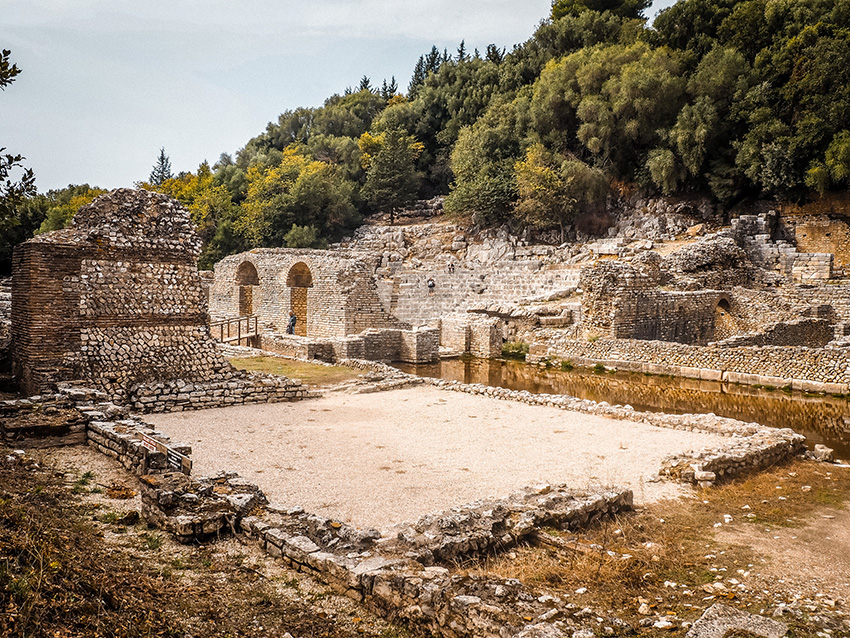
[[115, 301]]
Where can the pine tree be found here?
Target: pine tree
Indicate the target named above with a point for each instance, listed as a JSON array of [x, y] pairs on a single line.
[[495, 54], [392, 180], [161, 170], [461, 52], [365, 84], [433, 61], [418, 79]]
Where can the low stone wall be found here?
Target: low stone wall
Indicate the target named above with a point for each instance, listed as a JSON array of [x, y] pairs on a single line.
[[119, 440], [807, 369], [763, 449], [420, 345], [480, 336], [382, 571], [81, 415], [42, 421], [809, 332], [196, 509], [488, 526], [176, 396]]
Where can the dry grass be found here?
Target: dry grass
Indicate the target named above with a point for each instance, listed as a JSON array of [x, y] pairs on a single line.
[[310, 373], [68, 569], [666, 555]]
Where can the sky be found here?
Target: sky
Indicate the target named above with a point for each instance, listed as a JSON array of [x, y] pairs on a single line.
[[106, 83]]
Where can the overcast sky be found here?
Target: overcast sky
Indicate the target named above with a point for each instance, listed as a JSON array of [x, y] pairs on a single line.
[[106, 83]]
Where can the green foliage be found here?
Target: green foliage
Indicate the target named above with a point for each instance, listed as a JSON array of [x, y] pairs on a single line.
[[554, 191], [60, 206], [483, 164], [515, 350], [296, 191], [625, 8], [392, 180], [13, 190], [303, 237]]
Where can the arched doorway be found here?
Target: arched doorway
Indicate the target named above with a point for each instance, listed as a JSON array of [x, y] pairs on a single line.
[[724, 322], [246, 279], [298, 281]]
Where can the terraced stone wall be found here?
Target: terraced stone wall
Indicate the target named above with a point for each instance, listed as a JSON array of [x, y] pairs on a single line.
[[624, 302]]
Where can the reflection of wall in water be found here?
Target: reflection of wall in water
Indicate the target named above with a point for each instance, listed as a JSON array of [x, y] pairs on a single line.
[[825, 416]]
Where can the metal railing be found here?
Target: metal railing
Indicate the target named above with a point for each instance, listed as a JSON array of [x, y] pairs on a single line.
[[235, 329]]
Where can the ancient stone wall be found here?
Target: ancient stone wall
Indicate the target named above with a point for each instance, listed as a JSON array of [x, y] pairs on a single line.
[[808, 369], [333, 294], [819, 234], [836, 294], [479, 336], [420, 345], [622, 301], [809, 332], [114, 299]]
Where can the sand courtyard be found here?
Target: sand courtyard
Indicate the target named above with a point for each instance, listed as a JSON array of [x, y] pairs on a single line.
[[380, 459]]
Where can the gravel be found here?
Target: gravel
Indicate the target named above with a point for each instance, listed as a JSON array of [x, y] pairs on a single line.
[[375, 460]]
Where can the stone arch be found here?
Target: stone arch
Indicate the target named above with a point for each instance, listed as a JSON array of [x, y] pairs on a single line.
[[246, 274], [247, 279], [299, 280], [299, 276], [724, 323]]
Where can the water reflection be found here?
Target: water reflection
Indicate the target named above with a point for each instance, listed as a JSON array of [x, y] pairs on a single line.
[[822, 419]]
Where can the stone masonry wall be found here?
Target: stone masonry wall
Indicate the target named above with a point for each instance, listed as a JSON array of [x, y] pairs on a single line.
[[625, 302], [116, 301], [386, 344], [814, 370], [809, 332], [342, 297]]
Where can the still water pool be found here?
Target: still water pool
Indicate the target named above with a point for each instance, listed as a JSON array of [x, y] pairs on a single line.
[[822, 419]]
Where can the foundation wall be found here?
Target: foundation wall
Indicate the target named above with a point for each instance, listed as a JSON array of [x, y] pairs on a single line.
[[815, 370]]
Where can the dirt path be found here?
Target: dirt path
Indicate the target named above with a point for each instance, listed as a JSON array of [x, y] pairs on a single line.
[[385, 458]]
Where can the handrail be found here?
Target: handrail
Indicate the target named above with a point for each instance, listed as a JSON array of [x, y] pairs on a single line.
[[226, 328]]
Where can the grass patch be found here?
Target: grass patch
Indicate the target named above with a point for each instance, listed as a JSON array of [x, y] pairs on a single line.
[[310, 373], [515, 350], [567, 365], [674, 542], [59, 579], [598, 368]]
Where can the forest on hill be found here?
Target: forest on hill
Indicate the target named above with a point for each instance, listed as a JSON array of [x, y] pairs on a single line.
[[734, 99]]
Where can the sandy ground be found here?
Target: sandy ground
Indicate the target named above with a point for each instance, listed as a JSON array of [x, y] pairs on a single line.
[[379, 459]]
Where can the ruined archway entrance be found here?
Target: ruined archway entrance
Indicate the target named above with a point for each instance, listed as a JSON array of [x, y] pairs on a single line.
[[298, 281], [724, 322], [246, 279]]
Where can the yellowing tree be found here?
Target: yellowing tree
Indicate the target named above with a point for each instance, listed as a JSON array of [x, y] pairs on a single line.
[[556, 193], [296, 192]]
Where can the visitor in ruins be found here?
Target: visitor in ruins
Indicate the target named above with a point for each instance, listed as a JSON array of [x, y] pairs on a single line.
[[290, 326], [451, 267], [430, 283]]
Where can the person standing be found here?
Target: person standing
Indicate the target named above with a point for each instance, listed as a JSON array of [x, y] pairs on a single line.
[[290, 326]]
